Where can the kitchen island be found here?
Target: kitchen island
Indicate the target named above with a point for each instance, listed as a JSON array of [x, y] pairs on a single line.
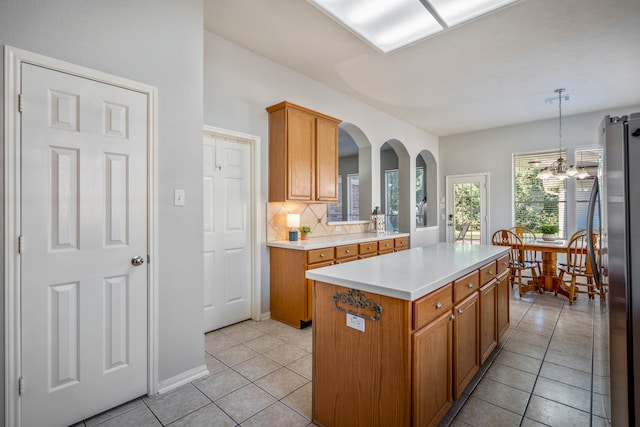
[[397, 338]]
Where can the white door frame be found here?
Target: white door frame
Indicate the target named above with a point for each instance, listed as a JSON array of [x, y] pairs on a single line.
[[13, 59], [484, 203], [254, 143]]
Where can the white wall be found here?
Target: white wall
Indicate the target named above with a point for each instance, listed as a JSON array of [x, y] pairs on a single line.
[[239, 85], [157, 42], [491, 151]]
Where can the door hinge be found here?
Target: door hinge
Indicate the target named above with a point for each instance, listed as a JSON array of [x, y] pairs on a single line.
[[20, 386], [20, 244], [20, 103]]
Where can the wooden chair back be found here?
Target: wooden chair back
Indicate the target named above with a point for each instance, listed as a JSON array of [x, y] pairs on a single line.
[[511, 239]]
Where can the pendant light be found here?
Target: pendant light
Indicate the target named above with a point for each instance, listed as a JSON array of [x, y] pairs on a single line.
[[558, 169]]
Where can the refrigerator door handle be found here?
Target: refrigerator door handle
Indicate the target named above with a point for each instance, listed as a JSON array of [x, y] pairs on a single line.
[[590, 243]]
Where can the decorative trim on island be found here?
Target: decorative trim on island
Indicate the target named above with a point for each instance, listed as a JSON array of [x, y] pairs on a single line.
[[357, 299]]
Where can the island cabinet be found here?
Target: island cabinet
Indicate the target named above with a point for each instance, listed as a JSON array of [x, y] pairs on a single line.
[[401, 365], [466, 331], [502, 295], [303, 155], [432, 347]]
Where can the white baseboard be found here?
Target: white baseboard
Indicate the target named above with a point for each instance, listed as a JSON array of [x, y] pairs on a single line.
[[265, 316], [182, 379]]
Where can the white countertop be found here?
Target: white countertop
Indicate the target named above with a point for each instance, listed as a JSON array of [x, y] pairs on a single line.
[[410, 274], [327, 241]]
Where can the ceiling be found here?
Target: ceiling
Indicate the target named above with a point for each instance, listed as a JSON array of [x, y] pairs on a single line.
[[490, 72]]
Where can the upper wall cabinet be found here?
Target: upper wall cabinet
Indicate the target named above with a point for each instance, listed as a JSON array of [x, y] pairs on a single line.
[[303, 155]]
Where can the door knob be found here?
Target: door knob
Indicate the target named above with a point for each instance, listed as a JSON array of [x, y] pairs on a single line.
[[137, 260]]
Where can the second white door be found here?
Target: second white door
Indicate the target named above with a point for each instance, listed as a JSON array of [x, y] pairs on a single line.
[[227, 231]]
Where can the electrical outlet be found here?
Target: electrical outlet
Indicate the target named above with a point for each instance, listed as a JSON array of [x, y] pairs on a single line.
[[355, 322]]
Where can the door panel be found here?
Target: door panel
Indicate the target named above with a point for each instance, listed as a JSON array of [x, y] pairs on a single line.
[[467, 213], [84, 216], [227, 232]]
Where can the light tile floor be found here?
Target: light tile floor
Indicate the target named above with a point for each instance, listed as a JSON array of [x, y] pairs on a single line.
[[260, 375]]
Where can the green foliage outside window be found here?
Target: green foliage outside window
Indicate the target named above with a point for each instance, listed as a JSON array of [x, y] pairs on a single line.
[[534, 207]]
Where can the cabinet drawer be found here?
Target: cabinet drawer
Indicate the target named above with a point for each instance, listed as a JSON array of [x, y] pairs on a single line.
[[401, 243], [319, 255], [503, 263], [385, 245], [466, 285], [431, 306], [368, 248], [488, 272], [346, 251]]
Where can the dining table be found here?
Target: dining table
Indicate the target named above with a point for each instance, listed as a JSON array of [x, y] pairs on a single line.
[[548, 280]]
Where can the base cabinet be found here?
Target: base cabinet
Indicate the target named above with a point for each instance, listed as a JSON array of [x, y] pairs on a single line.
[[432, 371], [466, 360]]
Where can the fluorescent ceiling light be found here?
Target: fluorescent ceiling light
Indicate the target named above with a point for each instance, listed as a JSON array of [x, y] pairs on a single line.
[[454, 12], [391, 24]]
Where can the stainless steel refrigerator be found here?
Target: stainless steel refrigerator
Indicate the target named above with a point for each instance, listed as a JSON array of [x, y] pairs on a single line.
[[619, 188]]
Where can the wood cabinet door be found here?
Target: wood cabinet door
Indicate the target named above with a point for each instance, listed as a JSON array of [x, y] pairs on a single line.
[[326, 160], [466, 357], [301, 131], [488, 320], [502, 302], [432, 371]]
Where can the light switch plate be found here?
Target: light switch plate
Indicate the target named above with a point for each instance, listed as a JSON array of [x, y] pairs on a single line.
[[355, 322], [178, 198]]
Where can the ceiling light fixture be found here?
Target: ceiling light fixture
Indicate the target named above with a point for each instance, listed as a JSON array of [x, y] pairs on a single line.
[[391, 24], [559, 169]]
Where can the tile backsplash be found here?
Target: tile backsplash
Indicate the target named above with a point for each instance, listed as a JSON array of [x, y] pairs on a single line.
[[314, 215]]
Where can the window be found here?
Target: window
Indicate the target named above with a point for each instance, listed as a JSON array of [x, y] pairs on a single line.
[[421, 217], [334, 210], [539, 202], [589, 159], [353, 197], [391, 199]]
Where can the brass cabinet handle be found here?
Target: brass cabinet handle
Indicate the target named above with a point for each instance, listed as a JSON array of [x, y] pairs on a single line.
[[321, 255], [347, 251]]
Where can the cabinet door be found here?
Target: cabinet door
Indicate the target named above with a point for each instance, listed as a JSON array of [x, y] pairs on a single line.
[[432, 371], [488, 321], [326, 160], [503, 303], [466, 357], [308, 315], [301, 130]]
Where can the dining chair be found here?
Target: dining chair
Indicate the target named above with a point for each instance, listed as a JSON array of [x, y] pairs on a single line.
[[577, 266], [530, 255], [517, 262]]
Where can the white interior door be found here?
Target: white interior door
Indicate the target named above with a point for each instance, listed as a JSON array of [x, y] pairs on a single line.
[[467, 209], [227, 231], [84, 218]]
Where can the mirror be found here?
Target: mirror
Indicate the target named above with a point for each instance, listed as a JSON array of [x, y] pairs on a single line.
[[426, 190], [354, 177]]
